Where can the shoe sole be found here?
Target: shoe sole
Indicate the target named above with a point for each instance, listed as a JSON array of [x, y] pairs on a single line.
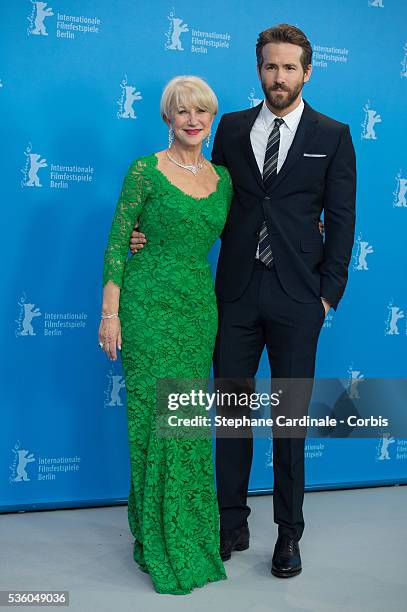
[[280, 574], [237, 548]]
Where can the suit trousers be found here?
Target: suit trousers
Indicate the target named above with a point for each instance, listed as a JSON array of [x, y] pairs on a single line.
[[265, 316]]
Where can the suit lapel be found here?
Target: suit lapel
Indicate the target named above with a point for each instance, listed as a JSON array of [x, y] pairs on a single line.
[[248, 120], [303, 135]]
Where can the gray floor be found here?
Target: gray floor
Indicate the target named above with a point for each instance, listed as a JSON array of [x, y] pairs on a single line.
[[353, 553]]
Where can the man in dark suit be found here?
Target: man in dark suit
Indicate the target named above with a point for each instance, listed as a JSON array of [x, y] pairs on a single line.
[[276, 276]]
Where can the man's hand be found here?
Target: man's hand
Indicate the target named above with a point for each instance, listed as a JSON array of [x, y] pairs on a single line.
[[321, 227], [326, 304], [137, 240]]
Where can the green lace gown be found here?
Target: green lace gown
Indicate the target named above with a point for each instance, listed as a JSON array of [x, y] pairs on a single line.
[[168, 316]]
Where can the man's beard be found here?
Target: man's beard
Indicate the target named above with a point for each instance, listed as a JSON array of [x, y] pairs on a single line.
[[276, 100]]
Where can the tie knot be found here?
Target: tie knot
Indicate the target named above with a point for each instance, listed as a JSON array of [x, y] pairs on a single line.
[[278, 121]]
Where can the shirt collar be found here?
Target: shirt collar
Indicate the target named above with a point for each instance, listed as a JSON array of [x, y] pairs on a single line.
[[291, 119]]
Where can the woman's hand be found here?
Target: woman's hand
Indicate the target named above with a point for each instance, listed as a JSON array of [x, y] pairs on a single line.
[[110, 336]]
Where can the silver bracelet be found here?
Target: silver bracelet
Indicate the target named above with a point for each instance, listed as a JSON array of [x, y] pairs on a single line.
[[116, 314]]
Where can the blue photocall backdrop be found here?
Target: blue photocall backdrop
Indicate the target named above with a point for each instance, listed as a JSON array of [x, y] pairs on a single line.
[[80, 85]]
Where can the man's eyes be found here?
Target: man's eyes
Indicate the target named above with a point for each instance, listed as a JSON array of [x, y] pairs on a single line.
[[286, 67]]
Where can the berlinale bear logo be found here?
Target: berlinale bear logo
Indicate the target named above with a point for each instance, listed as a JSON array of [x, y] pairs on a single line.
[[400, 192], [403, 72], [173, 36], [27, 313], [115, 385], [394, 315], [253, 99], [383, 447], [22, 457], [34, 162], [128, 97], [36, 19], [363, 249], [368, 125]]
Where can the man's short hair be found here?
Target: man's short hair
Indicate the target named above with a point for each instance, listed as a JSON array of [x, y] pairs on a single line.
[[285, 33]]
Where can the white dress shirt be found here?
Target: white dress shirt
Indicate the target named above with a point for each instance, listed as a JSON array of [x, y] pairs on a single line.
[[261, 130]]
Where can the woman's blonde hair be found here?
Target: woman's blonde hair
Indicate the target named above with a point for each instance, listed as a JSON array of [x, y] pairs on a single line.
[[185, 92]]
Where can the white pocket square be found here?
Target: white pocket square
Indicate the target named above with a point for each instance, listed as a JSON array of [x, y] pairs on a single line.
[[314, 154]]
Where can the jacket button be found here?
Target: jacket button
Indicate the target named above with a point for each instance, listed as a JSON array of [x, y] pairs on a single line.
[[267, 198]]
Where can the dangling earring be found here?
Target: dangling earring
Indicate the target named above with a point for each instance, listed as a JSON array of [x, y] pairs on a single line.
[[208, 139], [170, 137]]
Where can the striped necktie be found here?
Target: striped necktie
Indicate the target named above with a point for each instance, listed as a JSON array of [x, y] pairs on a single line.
[[269, 172]]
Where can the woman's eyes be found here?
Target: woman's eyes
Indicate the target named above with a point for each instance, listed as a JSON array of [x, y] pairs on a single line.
[[182, 111]]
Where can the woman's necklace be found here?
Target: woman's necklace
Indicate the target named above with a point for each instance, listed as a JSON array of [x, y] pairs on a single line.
[[191, 167]]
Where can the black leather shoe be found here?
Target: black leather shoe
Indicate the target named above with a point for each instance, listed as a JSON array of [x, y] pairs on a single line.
[[233, 539], [286, 558]]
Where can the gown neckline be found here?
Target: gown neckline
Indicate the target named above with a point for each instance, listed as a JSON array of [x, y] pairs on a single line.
[[188, 195]]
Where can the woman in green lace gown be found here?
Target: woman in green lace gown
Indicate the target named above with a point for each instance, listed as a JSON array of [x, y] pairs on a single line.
[[166, 328]]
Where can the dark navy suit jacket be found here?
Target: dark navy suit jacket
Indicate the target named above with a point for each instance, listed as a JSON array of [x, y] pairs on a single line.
[[319, 174]]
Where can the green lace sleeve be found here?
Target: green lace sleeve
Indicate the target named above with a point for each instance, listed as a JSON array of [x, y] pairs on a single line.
[[128, 209]]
